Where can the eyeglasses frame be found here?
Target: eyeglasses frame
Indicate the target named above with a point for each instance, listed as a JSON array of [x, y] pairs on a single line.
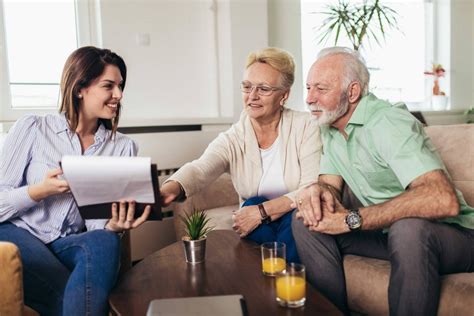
[[259, 91]]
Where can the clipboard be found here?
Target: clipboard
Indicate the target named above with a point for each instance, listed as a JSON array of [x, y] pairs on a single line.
[[104, 210]]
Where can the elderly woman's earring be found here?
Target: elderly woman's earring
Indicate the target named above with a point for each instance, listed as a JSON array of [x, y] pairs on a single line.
[[79, 96]]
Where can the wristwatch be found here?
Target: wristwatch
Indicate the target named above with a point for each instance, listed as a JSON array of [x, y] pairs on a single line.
[[354, 220], [265, 218]]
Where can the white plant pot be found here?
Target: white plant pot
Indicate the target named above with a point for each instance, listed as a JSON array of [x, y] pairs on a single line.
[[439, 102]]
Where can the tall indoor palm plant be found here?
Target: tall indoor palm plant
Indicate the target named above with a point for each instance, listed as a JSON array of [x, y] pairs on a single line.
[[367, 20]]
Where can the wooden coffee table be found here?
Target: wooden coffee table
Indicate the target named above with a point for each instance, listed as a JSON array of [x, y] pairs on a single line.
[[232, 266]]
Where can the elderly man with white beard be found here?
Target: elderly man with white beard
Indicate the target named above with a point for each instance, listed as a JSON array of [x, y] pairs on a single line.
[[411, 215]]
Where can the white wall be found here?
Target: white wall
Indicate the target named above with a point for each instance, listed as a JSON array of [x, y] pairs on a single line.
[[462, 54], [472, 44], [165, 75], [249, 32], [191, 69], [284, 24]]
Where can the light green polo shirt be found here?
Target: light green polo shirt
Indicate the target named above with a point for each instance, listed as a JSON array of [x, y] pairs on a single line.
[[387, 148]]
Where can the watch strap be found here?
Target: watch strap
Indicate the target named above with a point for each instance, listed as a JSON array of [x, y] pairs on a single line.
[[355, 210], [263, 214]]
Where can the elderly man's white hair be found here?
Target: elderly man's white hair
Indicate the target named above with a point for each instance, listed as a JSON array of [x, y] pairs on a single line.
[[355, 68]]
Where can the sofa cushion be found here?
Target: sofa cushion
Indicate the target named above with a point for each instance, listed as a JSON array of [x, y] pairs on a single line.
[[218, 195], [457, 294], [367, 284], [455, 145], [221, 217]]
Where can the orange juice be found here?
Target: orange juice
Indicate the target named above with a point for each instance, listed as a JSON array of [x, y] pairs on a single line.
[[273, 265], [290, 288]]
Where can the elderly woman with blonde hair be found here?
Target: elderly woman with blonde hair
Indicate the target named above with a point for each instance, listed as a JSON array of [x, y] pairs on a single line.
[[270, 153]]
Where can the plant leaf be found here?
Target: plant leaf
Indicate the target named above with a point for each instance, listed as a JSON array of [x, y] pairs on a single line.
[[369, 20], [196, 224]]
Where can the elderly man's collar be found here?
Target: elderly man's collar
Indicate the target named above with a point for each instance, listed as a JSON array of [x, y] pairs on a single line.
[[359, 115]]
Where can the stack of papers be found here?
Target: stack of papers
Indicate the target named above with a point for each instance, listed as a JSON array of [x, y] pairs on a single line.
[[106, 179]]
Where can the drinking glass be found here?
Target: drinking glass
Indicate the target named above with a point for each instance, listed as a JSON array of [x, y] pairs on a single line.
[[291, 286], [273, 257]]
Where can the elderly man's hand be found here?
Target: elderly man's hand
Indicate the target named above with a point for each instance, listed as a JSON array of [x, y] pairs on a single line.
[[246, 220], [332, 223], [312, 202]]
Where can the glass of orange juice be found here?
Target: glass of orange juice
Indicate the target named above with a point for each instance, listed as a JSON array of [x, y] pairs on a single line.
[[291, 286], [273, 257]]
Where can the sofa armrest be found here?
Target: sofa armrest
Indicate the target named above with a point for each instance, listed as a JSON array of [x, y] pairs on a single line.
[[11, 280]]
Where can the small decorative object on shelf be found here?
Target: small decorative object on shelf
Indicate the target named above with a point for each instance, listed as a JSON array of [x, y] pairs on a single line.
[[437, 72], [439, 99], [196, 227]]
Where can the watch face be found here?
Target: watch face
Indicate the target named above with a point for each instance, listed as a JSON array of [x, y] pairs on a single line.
[[353, 220]]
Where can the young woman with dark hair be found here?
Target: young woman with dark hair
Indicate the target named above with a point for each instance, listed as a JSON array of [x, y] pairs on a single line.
[[69, 265]]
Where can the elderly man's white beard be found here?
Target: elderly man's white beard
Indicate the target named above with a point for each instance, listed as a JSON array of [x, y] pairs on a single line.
[[329, 117]]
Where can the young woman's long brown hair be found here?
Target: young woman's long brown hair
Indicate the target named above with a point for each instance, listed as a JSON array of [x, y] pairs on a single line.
[[82, 67]]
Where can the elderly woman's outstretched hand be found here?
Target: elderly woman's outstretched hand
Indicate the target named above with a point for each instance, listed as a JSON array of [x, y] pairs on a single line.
[[246, 220], [169, 192], [123, 219]]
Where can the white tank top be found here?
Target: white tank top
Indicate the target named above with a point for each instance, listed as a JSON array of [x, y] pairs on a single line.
[[272, 183]]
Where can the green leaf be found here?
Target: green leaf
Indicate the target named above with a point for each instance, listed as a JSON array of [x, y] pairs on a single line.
[[196, 224], [366, 21]]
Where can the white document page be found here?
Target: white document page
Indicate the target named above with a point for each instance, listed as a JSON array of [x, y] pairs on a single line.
[[105, 179]]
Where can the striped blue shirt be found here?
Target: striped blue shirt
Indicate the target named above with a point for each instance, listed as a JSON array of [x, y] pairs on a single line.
[[34, 145]]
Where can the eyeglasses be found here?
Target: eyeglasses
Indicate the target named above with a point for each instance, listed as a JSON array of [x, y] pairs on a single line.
[[247, 87]]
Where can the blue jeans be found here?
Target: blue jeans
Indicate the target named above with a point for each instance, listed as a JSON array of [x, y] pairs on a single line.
[[72, 275], [278, 230]]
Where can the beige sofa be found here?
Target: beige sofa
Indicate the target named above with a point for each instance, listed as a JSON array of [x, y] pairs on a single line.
[[366, 278]]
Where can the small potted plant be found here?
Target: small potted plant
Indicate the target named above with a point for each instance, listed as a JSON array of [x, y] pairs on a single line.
[[439, 99], [196, 227]]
